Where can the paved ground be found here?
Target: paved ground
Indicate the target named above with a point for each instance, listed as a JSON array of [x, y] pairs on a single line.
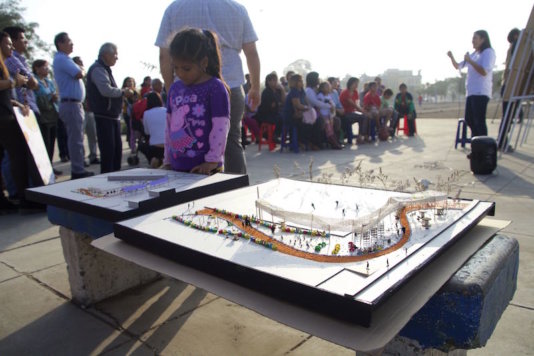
[[170, 317]]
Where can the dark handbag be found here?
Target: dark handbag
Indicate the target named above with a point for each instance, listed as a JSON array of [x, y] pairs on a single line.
[[49, 115]]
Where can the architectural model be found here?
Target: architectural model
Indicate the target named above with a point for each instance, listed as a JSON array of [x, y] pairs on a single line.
[[124, 194], [349, 245]]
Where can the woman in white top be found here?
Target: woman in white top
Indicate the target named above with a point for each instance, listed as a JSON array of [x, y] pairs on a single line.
[[479, 82], [154, 119]]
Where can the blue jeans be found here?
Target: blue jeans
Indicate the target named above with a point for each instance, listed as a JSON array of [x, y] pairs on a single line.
[[475, 114], [72, 115]]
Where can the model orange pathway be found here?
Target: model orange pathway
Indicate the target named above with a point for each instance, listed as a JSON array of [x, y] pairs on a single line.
[[307, 255]]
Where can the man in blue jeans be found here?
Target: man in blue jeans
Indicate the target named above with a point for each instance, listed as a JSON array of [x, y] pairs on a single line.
[[71, 93]]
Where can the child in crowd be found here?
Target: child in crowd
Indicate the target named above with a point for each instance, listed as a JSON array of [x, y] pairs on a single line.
[[198, 109], [328, 114], [404, 105], [294, 106], [371, 106], [154, 120], [388, 113]]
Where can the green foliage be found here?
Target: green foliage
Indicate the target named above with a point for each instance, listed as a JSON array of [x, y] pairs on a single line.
[[11, 14]]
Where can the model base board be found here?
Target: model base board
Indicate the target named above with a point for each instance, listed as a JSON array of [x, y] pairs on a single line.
[[336, 249]]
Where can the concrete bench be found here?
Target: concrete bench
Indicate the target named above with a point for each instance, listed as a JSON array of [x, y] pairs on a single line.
[[465, 311]]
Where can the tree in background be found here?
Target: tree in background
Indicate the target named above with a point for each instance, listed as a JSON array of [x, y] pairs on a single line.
[[300, 66], [11, 15]]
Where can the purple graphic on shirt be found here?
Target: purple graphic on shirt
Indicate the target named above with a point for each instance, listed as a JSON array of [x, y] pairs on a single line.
[[191, 110]]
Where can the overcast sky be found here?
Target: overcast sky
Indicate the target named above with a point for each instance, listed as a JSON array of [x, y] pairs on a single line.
[[336, 36]]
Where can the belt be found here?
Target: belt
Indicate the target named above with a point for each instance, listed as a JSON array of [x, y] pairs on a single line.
[[70, 100]]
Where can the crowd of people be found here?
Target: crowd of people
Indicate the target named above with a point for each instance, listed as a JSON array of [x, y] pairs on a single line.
[[191, 121], [319, 114]]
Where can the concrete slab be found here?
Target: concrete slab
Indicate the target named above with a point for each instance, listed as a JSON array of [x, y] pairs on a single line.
[[319, 347], [133, 347], [513, 335], [524, 295], [23, 302], [7, 273], [63, 330], [34, 257], [22, 230], [55, 277], [223, 328], [516, 209], [144, 308]]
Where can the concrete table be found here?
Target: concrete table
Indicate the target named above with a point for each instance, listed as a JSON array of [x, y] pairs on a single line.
[[95, 275], [490, 295]]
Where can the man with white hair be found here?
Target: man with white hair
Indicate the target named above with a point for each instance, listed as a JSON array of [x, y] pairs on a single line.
[[105, 100]]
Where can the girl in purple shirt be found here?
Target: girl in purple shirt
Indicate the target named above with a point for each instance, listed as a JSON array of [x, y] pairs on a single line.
[[198, 106]]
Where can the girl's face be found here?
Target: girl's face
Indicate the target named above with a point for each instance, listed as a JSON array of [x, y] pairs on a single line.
[[190, 72], [7, 47], [42, 71], [477, 42], [325, 89], [354, 86], [273, 83]]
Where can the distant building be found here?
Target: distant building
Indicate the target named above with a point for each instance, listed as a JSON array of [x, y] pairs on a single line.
[[392, 78]]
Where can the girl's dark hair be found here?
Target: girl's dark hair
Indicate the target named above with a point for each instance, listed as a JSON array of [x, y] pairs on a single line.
[[312, 79], [194, 45], [351, 81], [513, 34], [153, 100], [387, 92], [38, 63], [124, 82], [270, 77], [484, 35], [294, 79]]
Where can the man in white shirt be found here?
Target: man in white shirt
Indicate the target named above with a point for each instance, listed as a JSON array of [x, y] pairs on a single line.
[[230, 21]]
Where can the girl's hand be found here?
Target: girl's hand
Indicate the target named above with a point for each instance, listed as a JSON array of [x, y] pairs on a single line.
[[25, 109], [467, 58], [205, 168]]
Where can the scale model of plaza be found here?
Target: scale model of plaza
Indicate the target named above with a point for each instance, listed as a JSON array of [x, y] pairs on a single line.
[[328, 239]]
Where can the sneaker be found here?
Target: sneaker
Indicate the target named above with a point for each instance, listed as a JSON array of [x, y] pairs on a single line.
[[95, 160], [64, 159], [86, 164], [84, 174], [57, 172]]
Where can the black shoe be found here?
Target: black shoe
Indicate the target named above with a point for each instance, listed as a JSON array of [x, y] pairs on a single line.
[[64, 159], [94, 161], [30, 207], [7, 207], [57, 172], [84, 174], [86, 164]]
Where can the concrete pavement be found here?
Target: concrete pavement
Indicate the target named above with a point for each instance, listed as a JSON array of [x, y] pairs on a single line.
[[170, 317]]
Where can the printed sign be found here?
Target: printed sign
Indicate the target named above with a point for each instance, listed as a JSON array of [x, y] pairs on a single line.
[[34, 140]]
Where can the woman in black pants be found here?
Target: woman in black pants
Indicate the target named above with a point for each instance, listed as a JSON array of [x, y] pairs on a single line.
[[11, 138]]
